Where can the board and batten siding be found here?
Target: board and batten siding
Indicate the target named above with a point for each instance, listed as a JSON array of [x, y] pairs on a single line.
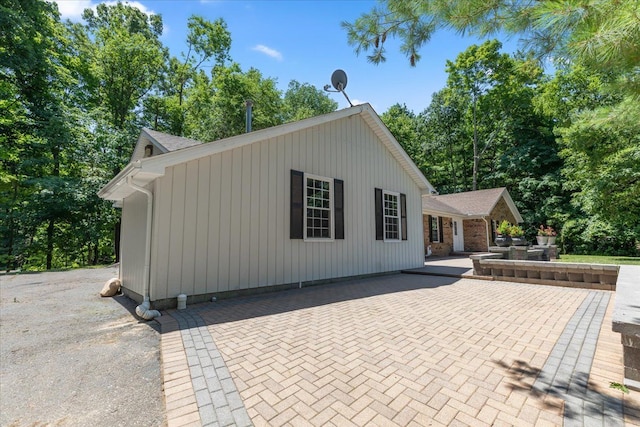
[[132, 242], [221, 222]]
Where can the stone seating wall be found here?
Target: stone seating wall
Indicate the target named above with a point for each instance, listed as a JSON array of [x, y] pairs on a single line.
[[588, 276], [626, 321]]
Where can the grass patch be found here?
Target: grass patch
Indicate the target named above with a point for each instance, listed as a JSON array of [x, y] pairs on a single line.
[[600, 259]]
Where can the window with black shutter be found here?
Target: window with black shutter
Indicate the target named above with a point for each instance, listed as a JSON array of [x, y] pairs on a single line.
[[317, 207], [390, 215]]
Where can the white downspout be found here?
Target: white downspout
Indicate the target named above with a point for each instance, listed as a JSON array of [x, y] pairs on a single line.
[[487, 230], [144, 309]]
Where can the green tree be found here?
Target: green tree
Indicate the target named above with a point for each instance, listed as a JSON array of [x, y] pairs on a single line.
[[221, 101], [120, 59], [596, 129], [482, 130], [39, 121], [476, 75], [405, 127], [124, 57], [207, 45], [302, 100], [446, 143]]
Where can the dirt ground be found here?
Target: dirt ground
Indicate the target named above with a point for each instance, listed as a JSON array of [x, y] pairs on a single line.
[[71, 358]]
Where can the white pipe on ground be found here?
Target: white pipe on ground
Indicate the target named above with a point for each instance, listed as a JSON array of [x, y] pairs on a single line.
[[144, 309]]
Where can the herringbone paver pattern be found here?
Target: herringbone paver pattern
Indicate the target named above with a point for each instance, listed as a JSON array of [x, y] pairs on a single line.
[[395, 350], [608, 366]]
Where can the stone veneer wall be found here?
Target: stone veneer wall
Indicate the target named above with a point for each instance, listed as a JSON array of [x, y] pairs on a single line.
[[501, 211], [441, 248]]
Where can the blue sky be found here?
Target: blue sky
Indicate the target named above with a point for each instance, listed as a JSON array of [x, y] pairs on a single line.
[[302, 40]]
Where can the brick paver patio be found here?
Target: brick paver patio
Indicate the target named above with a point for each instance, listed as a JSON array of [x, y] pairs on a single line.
[[400, 350]]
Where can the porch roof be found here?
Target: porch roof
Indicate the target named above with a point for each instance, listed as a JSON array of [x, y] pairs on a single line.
[[474, 204]]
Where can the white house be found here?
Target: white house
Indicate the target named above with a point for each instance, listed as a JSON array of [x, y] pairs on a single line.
[[329, 197]]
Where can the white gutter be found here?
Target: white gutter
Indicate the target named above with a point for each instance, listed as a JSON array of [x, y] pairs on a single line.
[[144, 309], [487, 230]]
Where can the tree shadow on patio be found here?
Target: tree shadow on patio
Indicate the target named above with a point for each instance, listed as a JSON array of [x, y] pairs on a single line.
[[581, 400]]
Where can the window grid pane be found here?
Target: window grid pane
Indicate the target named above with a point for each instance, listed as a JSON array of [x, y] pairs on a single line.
[[435, 230], [318, 209], [391, 217]]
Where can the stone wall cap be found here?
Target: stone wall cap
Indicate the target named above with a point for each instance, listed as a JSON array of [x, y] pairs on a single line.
[[626, 312]]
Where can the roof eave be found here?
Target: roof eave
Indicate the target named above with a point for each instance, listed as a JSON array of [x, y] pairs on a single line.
[[512, 206], [117, 189]]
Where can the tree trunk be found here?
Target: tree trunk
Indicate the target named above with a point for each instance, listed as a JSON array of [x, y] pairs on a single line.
[[11, 228], [476, 158], [50, 229]]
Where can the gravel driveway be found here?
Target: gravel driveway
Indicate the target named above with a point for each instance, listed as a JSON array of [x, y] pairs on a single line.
[[71, 358]]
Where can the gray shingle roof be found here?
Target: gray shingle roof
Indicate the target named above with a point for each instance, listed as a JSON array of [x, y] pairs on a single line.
[[169, 142], [432, 203], [479, 202], [469, 203]]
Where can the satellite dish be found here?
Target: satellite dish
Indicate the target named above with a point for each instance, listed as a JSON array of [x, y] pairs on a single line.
[[339, 80]]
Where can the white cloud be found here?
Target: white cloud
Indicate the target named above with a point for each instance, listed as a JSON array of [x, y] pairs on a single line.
[[357, 102], [144, 9], [268, 51], [72, 9]]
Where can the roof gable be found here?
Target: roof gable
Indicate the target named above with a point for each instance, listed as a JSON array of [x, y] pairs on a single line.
[[477, 203], [161, 142], [147, 169]]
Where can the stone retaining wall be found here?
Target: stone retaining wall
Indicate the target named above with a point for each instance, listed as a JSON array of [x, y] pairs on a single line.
[[588, 276], [626, 321]]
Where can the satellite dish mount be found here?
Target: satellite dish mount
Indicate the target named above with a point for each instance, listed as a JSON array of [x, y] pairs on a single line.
[[339, 82]]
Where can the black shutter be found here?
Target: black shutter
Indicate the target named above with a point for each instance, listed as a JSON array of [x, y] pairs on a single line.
[[296, 230], [403, 215], [379, 215], [338, 193], [430, 228], [440, 229]]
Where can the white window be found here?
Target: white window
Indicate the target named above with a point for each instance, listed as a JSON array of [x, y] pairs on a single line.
[[391, 209], [318, 218]]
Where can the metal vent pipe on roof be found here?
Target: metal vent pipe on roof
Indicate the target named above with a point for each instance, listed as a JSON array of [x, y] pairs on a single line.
[[248, 104]]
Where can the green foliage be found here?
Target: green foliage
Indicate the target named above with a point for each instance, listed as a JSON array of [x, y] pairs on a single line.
[[225, 95], [504, 228], [516, 231], [170, 107], [618, 386], [302, 101], [595, 236], [603, 35], [405, 127]]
